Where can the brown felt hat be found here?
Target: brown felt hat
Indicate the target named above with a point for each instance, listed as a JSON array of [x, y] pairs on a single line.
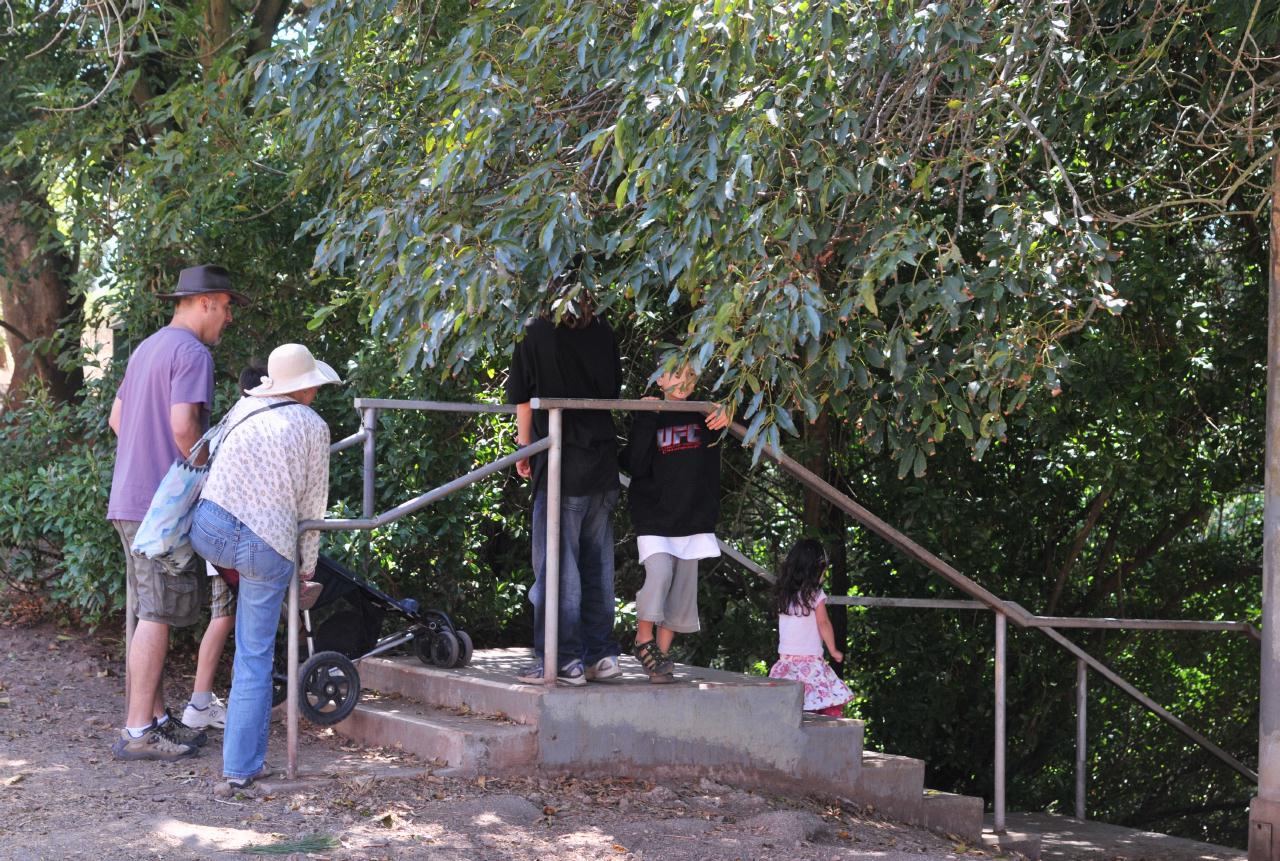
[[199, 280]]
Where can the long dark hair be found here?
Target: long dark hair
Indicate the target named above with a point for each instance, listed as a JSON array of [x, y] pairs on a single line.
[[800, 578]]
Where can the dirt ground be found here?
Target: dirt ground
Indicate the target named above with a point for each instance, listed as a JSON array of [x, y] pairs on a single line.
[[62, 795]]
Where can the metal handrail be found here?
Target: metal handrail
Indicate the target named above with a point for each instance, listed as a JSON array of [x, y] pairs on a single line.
[[983, 598], [366, 437], [1003, 609], [1084, 661], [369, 408]]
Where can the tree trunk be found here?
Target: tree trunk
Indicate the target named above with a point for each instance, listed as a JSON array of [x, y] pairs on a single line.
[[217, 30], [36, 300]]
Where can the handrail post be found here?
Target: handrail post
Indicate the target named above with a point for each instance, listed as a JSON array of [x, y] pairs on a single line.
[[1264, 810], [369, 424], [130, 623], [291, 700], [1082, 739], [551, 586], [998, 801]]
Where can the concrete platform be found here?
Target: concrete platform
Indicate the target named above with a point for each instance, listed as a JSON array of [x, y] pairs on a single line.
[[733, 727], [1062, 838]]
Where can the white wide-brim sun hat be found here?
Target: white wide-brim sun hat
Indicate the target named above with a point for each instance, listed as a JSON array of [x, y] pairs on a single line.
[[292, 368]]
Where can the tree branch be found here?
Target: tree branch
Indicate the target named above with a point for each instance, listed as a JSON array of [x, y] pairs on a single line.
[[1082, 535], [266, 18]]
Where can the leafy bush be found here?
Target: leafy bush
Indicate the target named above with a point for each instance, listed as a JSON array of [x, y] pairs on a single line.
[[53, 504]]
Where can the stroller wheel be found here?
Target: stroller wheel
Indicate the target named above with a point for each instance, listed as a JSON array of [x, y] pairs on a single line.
[[423, 640], [330, 688], [444, 649], [464, 649]]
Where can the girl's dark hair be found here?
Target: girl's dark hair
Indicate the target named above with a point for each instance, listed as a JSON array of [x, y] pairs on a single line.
[[251, 376], [800, 578]]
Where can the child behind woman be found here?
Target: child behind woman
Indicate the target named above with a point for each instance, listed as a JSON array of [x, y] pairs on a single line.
[[804, 628]]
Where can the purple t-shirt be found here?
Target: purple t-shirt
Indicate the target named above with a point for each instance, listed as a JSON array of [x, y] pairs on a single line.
[[170, 367]]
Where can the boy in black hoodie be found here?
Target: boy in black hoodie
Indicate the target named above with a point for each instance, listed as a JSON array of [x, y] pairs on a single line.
[[675, 503]]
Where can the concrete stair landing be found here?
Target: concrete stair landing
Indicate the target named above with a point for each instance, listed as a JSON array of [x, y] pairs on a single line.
[[744, 729]]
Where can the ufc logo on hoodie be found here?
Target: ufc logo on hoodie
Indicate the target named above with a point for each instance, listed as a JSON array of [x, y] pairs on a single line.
[[678, 437]]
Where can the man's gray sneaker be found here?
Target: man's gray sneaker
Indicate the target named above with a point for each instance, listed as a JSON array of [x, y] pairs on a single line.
[[530, 674], [244, 787], [212, 716], [179, 733], [570, 674], [605, 668], [152, 745]]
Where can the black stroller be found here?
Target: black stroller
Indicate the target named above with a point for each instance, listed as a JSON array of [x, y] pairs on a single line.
[[351, 612]]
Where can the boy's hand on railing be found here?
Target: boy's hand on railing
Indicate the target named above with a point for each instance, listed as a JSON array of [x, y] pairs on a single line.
[[523, 468], [718, 419]]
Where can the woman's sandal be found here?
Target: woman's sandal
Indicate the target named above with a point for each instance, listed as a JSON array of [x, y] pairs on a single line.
[[656, 663]]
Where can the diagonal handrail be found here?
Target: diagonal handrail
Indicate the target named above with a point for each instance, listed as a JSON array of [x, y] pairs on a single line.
[[1018, 614], [1004, 609]]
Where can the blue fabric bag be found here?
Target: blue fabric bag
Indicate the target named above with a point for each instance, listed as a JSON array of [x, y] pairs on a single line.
[[165, 533]]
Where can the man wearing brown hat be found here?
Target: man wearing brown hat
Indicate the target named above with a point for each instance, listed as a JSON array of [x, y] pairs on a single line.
[[161, 410]]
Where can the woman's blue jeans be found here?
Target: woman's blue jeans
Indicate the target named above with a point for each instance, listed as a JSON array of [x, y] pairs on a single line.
[[264, 578]]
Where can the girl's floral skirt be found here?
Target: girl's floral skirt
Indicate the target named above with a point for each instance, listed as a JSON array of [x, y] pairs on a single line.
[[822, 687]]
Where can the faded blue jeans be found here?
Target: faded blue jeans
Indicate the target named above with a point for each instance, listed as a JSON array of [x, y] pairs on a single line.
[[264, 579], [586, 576]]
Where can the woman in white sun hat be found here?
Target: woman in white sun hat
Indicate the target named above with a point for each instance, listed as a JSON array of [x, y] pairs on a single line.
[[270, 471]]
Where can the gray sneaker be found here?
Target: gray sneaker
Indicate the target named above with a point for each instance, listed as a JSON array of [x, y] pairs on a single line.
[[212, 716], [179, 733], [232, 787], [571, 673], [152, 745], [605, 668]]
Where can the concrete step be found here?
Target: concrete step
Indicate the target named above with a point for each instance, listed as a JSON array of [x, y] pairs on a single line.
[[739, 728], [486, 687], [960, 815], [466, 742], [833, 753], [892, 785]]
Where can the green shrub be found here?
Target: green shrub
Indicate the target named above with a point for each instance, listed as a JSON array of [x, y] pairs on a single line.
[[53, 505]]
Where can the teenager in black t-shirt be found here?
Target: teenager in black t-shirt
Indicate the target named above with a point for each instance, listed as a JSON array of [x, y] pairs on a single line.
[[576, 359]]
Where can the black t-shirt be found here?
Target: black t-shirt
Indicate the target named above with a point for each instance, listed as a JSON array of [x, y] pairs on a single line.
[[560, 362], [675, 474]]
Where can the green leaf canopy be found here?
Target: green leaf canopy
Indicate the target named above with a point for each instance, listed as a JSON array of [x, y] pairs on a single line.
[[846, 205]]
